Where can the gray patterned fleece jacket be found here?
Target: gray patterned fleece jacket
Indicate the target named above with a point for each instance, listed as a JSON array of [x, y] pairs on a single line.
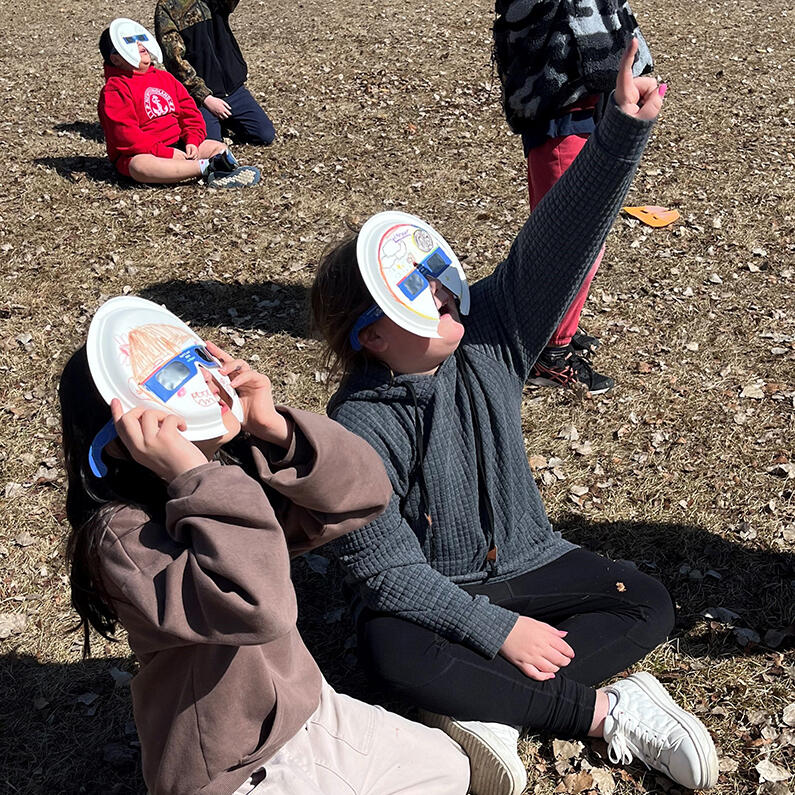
[[457, 453]]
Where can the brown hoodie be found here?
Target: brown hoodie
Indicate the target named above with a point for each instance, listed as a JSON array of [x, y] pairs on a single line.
[[206, 598]]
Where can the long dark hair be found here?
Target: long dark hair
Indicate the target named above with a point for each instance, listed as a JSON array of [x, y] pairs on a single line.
[[91, 501]]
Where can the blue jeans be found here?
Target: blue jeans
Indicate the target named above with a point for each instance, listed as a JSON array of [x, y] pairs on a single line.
[[248, 121]]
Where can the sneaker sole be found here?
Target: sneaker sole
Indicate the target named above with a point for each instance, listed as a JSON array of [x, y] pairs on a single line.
[[490, 773], [694, 727], [541, 381], [241, 177]]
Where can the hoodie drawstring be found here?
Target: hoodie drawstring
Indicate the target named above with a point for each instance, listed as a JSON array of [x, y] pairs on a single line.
[[418, 471], [484, 498]]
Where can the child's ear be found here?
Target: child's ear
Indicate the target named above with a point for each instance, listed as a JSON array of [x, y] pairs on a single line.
[[117, 60], [372, 341]]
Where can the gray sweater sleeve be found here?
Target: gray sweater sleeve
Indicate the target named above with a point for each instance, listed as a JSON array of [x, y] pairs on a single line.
[[386, 563], [516, 308]]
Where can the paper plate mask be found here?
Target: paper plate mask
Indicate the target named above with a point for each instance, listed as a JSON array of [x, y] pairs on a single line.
[[397, 255], [144, 355], [125, 35]]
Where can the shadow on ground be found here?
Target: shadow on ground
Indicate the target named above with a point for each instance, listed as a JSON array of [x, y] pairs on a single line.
[[268, 306], [754, 582], [80, 167], [76, 720], [90, 130], [67, 728]]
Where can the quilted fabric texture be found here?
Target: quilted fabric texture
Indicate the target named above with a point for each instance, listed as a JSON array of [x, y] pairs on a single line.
[[400, 563]]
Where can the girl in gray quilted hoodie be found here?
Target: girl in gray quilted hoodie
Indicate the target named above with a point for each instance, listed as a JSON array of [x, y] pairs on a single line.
[[468, 603]]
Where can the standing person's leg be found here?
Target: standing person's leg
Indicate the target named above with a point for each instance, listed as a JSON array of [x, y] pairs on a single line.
[[212, 123], [248, 119], [558, 364], [546, 164]]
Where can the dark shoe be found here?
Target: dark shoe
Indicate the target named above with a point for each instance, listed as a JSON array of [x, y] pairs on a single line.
[[563, 367], [241, 177], [584, 344], [224, 162]]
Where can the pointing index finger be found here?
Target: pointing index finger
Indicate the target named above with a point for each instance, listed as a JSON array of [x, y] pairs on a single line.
[[625, 68]]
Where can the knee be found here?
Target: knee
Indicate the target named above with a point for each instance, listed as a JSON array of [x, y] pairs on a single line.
[[261, 135], [658, 612], [399, 654], [258, 129], [453, 766]]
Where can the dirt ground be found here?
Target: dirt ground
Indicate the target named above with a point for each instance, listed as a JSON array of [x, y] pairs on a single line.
[[687, 467]]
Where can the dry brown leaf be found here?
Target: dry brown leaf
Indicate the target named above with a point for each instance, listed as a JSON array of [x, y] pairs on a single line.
[[603, 780], [11, 624], [578, 782], [768, 771]]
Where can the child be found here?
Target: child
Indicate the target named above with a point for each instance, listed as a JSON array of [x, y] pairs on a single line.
[[153, 131], [203, 54], [556, 64], [188, 551], [469, 604]]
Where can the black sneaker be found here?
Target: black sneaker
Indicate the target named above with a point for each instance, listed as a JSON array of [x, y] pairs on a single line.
[[563, 367], [583, 343], [222, 163]]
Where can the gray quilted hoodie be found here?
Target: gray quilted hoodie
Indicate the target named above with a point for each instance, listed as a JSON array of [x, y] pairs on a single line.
[[452, 442]]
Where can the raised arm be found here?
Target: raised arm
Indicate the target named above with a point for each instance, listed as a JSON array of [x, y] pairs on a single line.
[[330, 481], [216, 571], [516, 309]]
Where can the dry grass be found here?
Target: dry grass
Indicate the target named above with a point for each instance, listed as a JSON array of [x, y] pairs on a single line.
[[395, 105]]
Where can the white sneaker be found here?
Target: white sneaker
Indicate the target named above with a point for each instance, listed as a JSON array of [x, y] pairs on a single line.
[[495, 766], [647, 724]]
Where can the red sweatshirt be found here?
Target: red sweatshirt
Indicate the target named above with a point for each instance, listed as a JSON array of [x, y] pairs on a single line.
[[143, 113]]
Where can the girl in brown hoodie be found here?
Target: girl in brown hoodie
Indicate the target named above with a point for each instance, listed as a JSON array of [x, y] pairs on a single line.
[[186, 546]]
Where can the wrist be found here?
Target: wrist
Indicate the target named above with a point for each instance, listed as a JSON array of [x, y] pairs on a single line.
[[279, 431]]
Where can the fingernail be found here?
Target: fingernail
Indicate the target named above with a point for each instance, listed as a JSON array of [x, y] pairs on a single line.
[[662, 89]]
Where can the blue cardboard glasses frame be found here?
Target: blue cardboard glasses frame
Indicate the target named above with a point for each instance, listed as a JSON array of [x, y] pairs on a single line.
[[411, 286], [164, 383]]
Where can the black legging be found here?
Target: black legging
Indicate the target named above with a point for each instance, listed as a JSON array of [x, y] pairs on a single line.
[[614, 615]]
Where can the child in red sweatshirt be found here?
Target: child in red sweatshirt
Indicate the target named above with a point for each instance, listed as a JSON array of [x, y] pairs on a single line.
[[153, 130]]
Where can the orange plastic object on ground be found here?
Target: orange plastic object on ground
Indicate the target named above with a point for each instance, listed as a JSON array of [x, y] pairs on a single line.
[[653, 216]]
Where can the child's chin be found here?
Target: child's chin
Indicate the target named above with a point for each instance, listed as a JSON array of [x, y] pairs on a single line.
[[449, 329]]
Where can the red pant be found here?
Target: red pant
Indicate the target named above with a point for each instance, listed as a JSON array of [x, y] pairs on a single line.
[[545, 166]]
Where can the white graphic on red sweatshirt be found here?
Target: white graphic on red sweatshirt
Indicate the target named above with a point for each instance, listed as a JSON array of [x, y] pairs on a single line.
[[157, 102]]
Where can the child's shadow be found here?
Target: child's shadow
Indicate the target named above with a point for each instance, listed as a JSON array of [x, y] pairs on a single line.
[[79, 167], [90, 130], [67, 727], [267, 306], [702, 570]]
